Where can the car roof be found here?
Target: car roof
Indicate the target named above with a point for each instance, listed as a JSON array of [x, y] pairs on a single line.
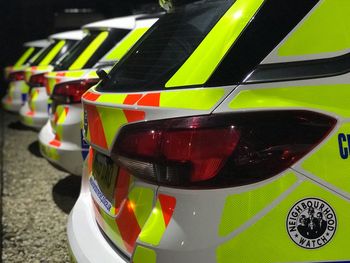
[[145, 22], [125, 22], [74, 35], [37, 43]]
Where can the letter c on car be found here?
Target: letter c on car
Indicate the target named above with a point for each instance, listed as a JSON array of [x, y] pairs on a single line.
[[344, 151]]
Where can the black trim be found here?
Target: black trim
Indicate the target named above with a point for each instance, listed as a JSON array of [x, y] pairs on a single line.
[[319, 68], [270, 26]]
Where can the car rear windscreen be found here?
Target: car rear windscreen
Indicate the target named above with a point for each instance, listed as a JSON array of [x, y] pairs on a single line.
[[114, 36], [68, 44], [165, 47]]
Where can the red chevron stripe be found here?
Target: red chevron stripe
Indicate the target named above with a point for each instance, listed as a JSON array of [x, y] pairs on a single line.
[[128, 226], [134, 115], [151, 99], [131, 99], [168, 204], [122, 188], [95, 127], [90, 96]]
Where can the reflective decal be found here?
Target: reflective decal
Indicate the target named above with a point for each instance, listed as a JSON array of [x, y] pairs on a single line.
[[24, 97], [344, 145], [311, 223], [84, 146]]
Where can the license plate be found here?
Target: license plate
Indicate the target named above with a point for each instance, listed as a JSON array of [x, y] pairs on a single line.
[[105, 172]]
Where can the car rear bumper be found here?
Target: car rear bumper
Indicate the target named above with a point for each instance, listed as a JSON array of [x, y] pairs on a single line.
[[65, 155], [86, 242], [34, 112], [16, 96], [11, 105], [32, 119]]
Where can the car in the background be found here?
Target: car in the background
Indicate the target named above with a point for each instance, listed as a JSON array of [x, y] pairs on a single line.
[[61, 141], [18, 89], [30, 52], [222, 136], [100, 37]]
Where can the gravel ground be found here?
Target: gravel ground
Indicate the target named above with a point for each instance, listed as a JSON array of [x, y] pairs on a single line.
[[36, 198]]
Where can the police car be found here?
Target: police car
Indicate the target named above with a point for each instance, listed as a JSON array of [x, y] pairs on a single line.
[[222, 136], [61, 140], [18, 89]]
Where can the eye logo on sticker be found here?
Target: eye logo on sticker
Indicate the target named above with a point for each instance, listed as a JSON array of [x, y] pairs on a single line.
[[311, 223]]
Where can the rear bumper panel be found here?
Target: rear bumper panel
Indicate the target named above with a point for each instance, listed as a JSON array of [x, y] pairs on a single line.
[[66, 155], [86, 242], [34, 113]]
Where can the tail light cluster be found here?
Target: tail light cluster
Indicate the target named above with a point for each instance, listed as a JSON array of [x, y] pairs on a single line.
[[72, 91], [219, 150], [37, 80], [16, 76]]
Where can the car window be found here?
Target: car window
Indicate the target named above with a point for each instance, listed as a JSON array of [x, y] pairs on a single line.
[[114, 36], [165, 47], [67, 45]]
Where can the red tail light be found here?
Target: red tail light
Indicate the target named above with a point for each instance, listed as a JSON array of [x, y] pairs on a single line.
[[219, 150], [37, 80], [16, 76], [71, 92]]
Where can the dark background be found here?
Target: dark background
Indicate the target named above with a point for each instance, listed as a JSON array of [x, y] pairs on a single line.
[[26, 20]]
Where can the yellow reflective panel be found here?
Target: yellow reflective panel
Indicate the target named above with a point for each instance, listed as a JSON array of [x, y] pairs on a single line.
[[331, 161], [196, 99], [332, 98], [144, 255], [89, 51], [112, 98], [24, 57], [241, 207], [52, 54], [201, 64], [74, 73], [141, 200], [37, 54], [325, 30], [155, 227], [112, 120], [268, 240], [125, 44]]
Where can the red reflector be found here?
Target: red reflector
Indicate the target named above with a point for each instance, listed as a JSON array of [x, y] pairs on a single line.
[[72, 91], [16, 76]]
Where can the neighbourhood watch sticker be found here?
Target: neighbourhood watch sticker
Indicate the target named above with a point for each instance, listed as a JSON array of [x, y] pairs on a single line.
[[311, 223]]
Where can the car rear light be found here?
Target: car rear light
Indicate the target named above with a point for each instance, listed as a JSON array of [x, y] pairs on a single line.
[[72, 91], [16, 76], [219, 150], [37, 80]]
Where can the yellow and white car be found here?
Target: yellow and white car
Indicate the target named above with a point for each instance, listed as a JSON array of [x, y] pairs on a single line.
[[31, 50], [100, 37], [18, 89], [61, 140], [222, 136]]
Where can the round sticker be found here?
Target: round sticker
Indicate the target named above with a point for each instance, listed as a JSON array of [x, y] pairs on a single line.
[[311, 223]]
